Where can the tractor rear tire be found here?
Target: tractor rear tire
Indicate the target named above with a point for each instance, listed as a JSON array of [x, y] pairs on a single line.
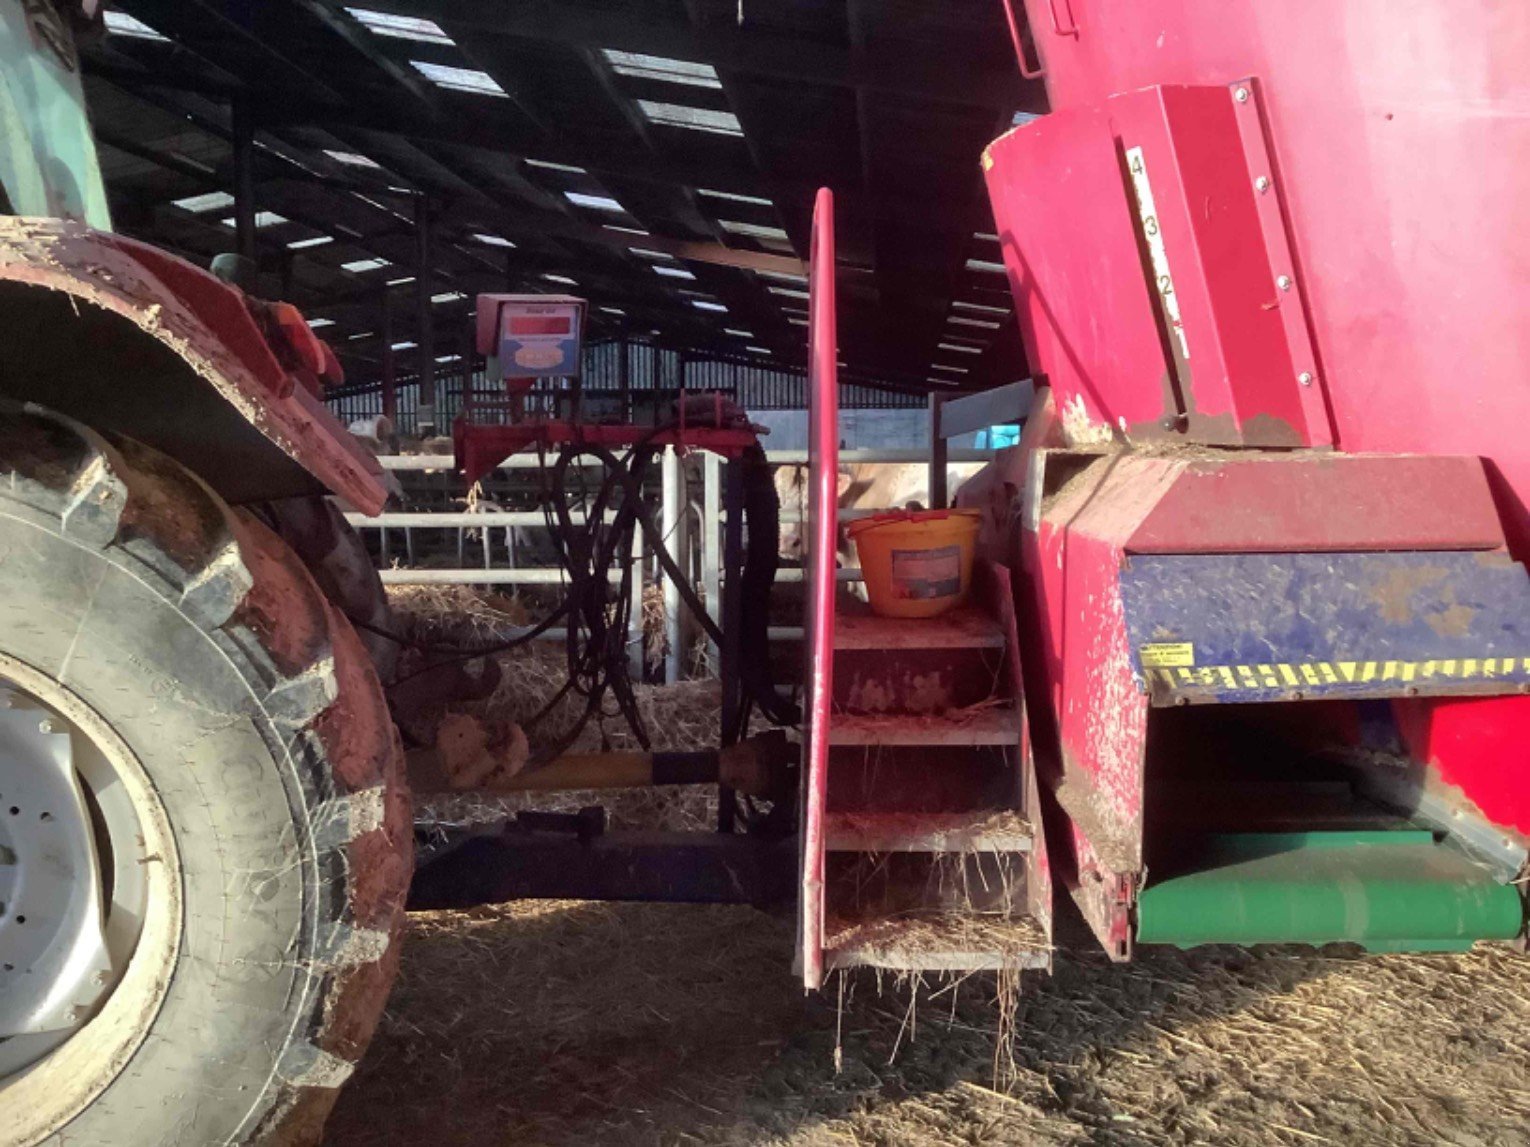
[[181, 641]]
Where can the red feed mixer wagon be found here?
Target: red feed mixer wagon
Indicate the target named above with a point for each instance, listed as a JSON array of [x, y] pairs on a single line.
[[1272, 622], [1277, 630], [1244, 655]]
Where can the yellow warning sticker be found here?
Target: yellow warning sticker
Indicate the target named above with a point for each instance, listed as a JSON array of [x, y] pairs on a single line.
[[1307, 674], [1168, 655]]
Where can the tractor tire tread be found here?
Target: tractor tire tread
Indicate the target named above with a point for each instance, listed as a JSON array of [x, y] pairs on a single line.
[[247, 590]]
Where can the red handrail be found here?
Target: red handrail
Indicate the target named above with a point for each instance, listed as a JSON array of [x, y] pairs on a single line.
[[822, 533]]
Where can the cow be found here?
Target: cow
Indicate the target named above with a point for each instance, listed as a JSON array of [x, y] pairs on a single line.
[[376, 433], [861, 486]]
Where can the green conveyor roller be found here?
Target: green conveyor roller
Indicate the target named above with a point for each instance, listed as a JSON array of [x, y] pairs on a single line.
[[1390, 891]]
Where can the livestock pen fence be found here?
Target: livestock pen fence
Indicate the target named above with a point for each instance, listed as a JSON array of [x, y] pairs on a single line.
[[631, 374], [692, 527]]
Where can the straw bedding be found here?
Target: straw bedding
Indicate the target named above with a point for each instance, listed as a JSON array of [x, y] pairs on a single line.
[[566, 1023], [553, 1023]]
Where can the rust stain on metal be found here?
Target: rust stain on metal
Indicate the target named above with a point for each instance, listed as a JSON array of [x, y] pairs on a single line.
[[1454, 621], [1395, 595], [114, 274]]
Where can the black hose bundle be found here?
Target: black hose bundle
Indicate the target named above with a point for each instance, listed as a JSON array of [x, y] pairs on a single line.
[[598, 618], [599, 611], [762, 509]]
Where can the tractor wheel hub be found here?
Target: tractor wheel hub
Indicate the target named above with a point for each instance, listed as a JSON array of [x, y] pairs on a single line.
[[55, 967]]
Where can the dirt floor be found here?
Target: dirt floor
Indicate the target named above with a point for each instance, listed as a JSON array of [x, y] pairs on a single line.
[[564, 1023], [575, 1023]]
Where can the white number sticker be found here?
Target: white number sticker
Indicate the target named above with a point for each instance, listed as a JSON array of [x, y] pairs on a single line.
[[1147, 216]]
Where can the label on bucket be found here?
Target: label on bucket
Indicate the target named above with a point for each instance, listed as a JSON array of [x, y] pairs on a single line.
[[919, 575]]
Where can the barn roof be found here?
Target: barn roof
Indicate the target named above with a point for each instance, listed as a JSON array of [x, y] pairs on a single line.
[[658, 157]]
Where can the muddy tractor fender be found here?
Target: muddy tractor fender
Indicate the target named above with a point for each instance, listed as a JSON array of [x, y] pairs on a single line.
[[128, 339]]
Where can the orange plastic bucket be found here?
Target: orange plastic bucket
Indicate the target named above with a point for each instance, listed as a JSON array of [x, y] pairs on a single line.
[[916, 563]]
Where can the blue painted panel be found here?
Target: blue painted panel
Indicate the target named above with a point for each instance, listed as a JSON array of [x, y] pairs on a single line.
[[1248, 627]]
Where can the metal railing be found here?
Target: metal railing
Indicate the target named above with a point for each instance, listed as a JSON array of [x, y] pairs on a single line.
[[678, 514]]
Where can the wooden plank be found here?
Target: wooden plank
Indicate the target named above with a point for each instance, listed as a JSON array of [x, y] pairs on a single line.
[[960, 628], [992, 725], [986, 830]]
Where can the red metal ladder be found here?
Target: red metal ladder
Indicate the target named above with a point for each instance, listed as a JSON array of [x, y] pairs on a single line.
[[921, 841]]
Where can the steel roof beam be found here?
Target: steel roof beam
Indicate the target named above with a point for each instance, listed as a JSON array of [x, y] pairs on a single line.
[[350, 31], [911, 71]]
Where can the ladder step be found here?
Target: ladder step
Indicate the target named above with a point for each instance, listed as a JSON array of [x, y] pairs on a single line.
[[937, 942], [988, 830], [977, 725], [960, 628]]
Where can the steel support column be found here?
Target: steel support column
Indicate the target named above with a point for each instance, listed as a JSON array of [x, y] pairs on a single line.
[[428, 398], [244, 175]]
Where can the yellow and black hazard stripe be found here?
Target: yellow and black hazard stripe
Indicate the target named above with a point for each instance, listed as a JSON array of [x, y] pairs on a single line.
[[1309, 674]]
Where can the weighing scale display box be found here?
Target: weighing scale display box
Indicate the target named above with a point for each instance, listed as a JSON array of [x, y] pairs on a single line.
[[527, 337]]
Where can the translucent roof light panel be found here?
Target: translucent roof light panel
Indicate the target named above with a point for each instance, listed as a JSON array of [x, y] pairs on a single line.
[[459, 79], [211, 201], [550, 166], [696, 119], [593, 202], [262, 219], [733, 197], [662, 68], [121, 24], [754, 230], [401, 27], [353, 158]]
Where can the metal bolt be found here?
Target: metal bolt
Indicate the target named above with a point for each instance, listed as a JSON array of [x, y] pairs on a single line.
[[1241, 95], [74, 1015], [1283, 282], [103, 978], [1262, 184], [1305, 378], [46, 725]]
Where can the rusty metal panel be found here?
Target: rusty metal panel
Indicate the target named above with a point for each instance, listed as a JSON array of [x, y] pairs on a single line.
[[200, 327], [1407, 215], [1092, 724], [998, 586], [1473, 751], [1065, 224], [1247, 628], [1150, 271], [1195, 204], [1320, 503]]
